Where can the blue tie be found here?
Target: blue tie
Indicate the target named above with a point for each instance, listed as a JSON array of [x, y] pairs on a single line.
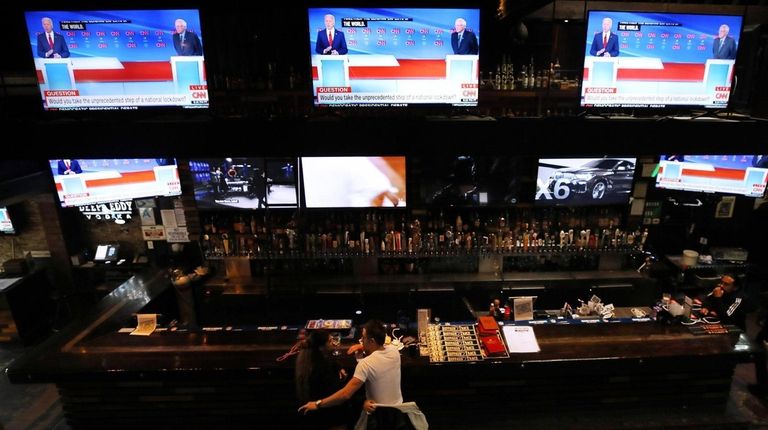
[[461, 36]]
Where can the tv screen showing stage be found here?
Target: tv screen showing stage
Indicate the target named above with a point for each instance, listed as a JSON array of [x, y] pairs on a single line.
[[360, 182], [118, 59], [659, 59], [245, 183], [394, 56], [6, 226], [82, 182], [584, 181], [734, 174], [466, 180]]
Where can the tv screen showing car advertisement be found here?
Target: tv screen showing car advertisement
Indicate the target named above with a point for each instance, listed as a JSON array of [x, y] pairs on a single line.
[[584, 181]]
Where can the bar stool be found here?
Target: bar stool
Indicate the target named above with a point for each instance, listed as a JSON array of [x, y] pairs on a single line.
[[63, 308]]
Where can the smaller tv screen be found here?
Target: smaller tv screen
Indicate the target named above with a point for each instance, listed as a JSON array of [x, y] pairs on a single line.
[[394, 56], [734, 174], [118, 59], [584, 181], [359, 182], [466, 180], [107, 253], [245, 183], [6, 225], [659, 59], [88, 181]]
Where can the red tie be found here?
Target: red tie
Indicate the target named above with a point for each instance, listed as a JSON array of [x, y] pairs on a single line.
[[330, 38], [50, 41], [605, 40]]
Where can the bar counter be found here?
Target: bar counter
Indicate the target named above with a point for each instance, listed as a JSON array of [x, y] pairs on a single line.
[[230, 379]]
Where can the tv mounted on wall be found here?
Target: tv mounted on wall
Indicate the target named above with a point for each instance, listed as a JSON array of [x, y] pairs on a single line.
[[118, 59], [83, 182], [394, 56], [659, 59], [584, 181], [745, 175]]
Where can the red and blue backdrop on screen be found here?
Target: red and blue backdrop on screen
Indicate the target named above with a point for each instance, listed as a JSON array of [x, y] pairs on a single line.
[[6, 225], [394, 57], [656, 60], [83, 182], [119, 59], [734, 174]]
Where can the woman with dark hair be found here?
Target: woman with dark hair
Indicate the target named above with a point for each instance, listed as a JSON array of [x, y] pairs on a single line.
[[317, 377]]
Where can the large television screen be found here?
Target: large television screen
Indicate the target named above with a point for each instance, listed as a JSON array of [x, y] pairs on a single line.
[[394, 56], [659, 59], [466, 180], [245, 183], [361, 182], [734, 174], [118, 59], [83, 182], [584, 181], [6, 225]]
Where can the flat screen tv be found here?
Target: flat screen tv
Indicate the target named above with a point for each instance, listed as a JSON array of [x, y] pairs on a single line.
[[83, 182], [118, 59], [584, 181], [353, 182], [6, 225], [734, 174], [659, 60], [245, 183], [394, 56], [107, 253], [466, 180]]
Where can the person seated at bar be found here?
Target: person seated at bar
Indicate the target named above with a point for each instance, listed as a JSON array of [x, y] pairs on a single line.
[[317, 376], [728, 303], [379, 371]]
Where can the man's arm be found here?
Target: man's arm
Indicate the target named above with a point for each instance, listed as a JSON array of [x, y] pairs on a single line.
[[593, 48], [319, 45], [198, 47], [336, 398], [473, 48], [614, 52], [64, 48], [41, 46], [342, 44]]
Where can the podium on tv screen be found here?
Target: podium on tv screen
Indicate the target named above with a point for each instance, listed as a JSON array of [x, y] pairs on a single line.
[[461, 68], [187, 70], [717, 76], [332, 70], [602, 71], [58, 73]]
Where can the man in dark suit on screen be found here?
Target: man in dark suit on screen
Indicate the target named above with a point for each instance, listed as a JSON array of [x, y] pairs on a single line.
[[69, 167], [463, 41], [606, 42], [51, 44], [329, 40], [724, 46], [186, 42]]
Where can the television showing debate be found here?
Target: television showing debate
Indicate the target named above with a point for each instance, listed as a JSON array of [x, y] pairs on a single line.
[[745, 175], [83, 182], [245, 183], [6, 225], [659, 59], [118, 59], [394, 56]]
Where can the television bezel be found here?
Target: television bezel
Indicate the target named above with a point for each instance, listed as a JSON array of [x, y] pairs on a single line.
[[650, 110], [128, 113], [376, 108]]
